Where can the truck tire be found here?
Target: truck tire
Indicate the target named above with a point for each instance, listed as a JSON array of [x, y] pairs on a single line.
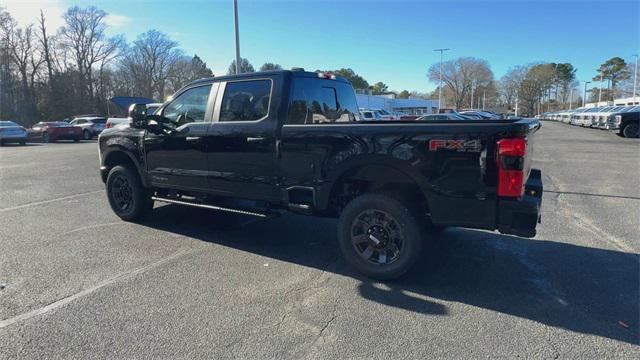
[[380, 236], [631, 130], [128, 198]]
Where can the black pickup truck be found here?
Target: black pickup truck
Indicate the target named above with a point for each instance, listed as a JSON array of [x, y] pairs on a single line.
[[293, 140]]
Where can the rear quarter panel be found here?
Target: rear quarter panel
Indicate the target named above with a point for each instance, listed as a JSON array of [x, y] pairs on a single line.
[[459, 185]]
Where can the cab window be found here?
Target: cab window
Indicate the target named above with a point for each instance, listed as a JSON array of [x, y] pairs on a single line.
[[188, 107], [246, 100], [316, 101]]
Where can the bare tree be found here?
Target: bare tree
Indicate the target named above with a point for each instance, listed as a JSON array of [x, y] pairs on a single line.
[[460, 75], [46, 53], [84, 36], [20, 45], [510, 84], [149, 61], [185, 70]]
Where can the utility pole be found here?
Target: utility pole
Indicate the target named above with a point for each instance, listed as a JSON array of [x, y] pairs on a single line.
[[635, 79], [516, 114], [440, 84], [237, 33], [584, 99]]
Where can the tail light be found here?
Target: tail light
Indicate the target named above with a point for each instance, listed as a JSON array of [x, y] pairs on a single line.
[[511, 171], [107, 125]]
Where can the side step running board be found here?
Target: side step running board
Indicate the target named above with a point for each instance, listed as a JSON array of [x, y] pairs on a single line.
[[206, 206]]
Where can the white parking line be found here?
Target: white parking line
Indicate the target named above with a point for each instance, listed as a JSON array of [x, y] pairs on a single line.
[[50, 201], [62, 302]]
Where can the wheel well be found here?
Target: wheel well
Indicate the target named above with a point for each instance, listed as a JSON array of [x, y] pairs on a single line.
[[375, 178], [117, 158]]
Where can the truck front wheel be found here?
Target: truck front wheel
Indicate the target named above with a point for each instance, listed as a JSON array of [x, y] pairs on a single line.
[[380, 236], [128, 198]]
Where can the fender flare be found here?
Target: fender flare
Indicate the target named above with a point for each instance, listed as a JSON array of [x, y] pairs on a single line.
[[115, 150], [357, 163]]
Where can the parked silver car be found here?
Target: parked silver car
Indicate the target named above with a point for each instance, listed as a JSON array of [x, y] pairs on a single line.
[[91, 126], [438, 117], [11, 132]]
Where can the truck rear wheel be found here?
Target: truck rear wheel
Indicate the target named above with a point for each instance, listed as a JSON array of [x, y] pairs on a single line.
[[128, 198], [380, 236]]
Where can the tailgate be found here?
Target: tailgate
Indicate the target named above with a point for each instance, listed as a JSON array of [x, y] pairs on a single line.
[[519, 186]]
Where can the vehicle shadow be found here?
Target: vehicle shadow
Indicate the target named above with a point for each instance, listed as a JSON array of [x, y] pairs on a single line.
[[581, 289], [19, 145]]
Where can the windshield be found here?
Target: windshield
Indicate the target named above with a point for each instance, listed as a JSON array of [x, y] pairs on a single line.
[[7, 123]]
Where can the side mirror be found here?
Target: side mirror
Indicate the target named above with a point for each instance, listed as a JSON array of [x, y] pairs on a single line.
[[138, 115]]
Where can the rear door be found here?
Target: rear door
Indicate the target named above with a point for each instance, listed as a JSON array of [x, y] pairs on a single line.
[[177, 158], [242, 139], [307, 136]]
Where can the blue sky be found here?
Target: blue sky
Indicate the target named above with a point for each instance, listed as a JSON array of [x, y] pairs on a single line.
[[389, 41]]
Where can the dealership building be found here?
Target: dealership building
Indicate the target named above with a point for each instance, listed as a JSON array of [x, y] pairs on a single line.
[[389, 102]]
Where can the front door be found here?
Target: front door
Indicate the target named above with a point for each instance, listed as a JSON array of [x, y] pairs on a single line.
[[242, 140], [177, 156]]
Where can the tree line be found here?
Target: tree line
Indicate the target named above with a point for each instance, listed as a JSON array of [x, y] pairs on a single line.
[[50, 74], [534, 87]]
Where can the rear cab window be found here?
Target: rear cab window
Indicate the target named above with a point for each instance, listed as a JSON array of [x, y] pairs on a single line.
[[320, 101], [246, 100]]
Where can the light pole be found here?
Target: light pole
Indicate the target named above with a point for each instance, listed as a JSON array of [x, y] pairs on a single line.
[[571, 98], [483, 98], [584, 99], [440, 84], [635, 78], [472, 85], [600, 88], [237, 33]]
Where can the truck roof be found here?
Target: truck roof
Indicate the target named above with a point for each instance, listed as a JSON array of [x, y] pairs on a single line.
[[295, 73]]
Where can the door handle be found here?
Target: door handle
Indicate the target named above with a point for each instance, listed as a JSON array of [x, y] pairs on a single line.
[[256, 139], [193, 138]]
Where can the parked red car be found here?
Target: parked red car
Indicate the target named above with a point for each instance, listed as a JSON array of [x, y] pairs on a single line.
[[55, 130]]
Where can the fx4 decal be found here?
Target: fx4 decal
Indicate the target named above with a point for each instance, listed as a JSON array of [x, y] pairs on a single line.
[[457, 145]]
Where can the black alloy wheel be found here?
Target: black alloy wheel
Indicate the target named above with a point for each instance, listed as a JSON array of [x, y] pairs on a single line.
[[128, 198], [376, 237], [380, 235]]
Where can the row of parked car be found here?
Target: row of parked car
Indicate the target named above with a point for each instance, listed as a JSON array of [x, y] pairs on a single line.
[[384, 115], [76, 128], [83, 127], [625, 120]]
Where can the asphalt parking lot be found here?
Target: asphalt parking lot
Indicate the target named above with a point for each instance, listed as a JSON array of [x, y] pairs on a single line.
[[191, 283]]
